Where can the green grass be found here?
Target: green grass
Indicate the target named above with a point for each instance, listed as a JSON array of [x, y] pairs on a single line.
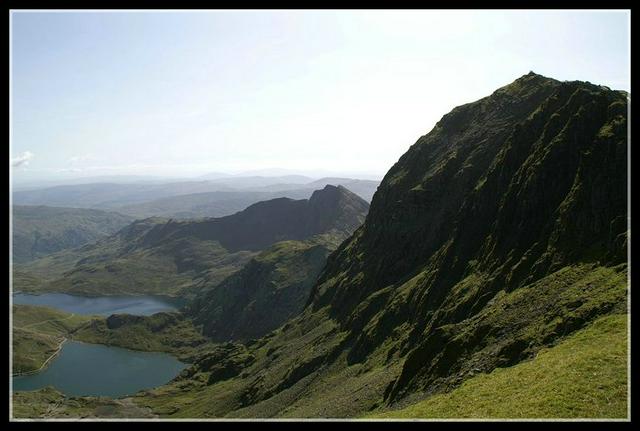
[[50, 403], [38, 333], [105, 268], [162, 332], [584, 376]]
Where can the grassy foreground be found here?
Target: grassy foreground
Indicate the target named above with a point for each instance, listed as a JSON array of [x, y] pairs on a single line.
[[48, 403], [584, 376]]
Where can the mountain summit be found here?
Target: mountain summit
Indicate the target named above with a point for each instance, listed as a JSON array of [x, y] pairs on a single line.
[[498, 233], [330, 210], [502, 193]]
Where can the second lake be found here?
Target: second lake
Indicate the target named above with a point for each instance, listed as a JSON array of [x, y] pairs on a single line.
[[102, 305]]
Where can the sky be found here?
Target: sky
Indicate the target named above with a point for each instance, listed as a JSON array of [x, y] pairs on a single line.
[[179, 93]]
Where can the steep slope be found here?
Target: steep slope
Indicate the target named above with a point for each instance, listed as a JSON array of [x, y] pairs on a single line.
[[159, 256], [42, 230], [500, 232], [514, 187], [272, 288], [584, 376]]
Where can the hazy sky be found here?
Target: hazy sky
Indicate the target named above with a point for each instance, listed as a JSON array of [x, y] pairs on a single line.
[[185, 93]]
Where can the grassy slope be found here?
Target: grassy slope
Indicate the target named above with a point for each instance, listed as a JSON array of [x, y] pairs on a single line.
[[170, 269], [301, 370], [37, 333], [42, 230], [161, 332], [584, 376]]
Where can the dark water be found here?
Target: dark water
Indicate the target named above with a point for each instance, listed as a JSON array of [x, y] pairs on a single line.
[[93, 370], [102, 305]]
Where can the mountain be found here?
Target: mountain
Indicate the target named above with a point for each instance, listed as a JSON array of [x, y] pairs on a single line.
[[169, 257], [110, 195], [222, 203], [501, 232], [333, 209], [185, 199], [41, 230], [210, 204], [363, 188], [20, 184]]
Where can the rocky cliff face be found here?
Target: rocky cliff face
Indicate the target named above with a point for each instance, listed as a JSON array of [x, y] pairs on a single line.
[[499, 232], [501, 193]]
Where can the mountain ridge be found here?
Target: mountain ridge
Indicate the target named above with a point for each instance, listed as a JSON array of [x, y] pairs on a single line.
[[498, 233], [162, 256], [41, 230]]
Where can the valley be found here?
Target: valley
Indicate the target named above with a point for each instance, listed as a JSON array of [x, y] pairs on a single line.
[[486, 278]]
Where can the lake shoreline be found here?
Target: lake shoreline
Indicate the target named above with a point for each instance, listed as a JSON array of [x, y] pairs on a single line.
[[142, 305], [45, 363], [168, 298], [153, 369]]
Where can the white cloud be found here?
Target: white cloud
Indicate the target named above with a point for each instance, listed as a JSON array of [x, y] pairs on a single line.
[[22, 160]]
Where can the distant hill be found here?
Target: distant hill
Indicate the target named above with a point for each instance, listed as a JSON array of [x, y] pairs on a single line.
[[160, 256], [110, 195], [41, 230], [185, 199], [244, 182], [264, 223], [209, 204]]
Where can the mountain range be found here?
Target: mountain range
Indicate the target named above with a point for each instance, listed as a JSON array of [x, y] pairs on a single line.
[[185, 199], [499, 237]]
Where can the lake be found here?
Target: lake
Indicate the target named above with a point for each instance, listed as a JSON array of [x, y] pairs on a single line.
[[101, 305], [95, 370]]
